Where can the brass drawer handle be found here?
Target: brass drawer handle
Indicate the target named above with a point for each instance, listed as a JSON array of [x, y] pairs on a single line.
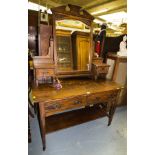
[[54, 106]]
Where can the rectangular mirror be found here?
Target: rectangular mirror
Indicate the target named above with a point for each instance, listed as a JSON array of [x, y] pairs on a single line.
[[73, 45]]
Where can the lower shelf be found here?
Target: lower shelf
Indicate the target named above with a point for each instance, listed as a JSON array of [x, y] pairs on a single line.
[[75, 117]]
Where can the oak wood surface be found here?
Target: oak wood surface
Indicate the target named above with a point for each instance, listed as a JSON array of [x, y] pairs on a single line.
[[45, 33], [42, 124], [44, 65], [71, 88], [74, 13], [76, 93]]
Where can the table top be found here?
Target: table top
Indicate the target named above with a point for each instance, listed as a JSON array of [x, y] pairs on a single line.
[[115, 56], [72, 87], [101, 64]]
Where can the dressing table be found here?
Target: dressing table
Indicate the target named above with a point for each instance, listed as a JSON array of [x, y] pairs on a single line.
[[79, 89]]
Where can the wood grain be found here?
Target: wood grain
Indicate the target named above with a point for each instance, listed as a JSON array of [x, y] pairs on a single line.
[[73, 87]]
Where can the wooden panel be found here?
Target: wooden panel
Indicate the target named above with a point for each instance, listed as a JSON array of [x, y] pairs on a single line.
[[43, 62], [45, 34], [32, 18], [100, 97], [74, 13], [32, 39], [44, 72], [99, 69], [102, 69], [59, 105]]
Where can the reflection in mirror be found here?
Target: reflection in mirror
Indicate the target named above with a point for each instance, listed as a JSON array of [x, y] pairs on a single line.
[[73, 45]]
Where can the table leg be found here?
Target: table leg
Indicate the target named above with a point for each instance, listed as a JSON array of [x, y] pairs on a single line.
[[111, 114], [42, 124], [29, 131], [113, 104]]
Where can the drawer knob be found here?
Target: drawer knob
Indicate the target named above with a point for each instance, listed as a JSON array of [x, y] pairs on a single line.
[[54, 106], [57, 106], [77, 102]]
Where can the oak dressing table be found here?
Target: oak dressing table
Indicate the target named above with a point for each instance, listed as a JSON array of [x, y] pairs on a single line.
[[78, 92], [75, 93]]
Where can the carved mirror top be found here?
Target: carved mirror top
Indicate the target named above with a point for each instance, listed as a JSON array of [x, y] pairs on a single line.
[[72, 12]]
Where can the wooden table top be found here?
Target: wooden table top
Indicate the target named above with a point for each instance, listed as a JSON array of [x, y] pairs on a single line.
[[115, 56], [72, 87]]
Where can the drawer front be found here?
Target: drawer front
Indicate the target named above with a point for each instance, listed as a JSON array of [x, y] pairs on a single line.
[[101, 97], [44, 72], [102, 69], [56, 106]]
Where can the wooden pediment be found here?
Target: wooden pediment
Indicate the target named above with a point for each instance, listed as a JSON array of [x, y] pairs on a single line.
[[74, 12]]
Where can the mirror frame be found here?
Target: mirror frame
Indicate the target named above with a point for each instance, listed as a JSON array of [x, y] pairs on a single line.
[[74, 13]]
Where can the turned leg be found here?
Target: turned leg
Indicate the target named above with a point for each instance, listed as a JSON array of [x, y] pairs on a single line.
[[42, 124], [111, 114], [112, 105]]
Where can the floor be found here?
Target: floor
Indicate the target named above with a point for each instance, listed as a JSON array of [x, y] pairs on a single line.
[[90, 138]]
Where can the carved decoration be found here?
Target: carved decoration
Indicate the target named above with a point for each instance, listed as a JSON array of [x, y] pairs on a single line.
[[74, 12]]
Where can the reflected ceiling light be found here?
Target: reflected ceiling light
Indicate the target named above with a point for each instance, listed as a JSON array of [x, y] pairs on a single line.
[[116, 18], [98, 21], [33, 6], [100, 11], [117, 32]]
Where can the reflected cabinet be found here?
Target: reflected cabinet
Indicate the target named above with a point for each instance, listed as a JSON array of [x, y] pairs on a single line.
[[81, 50], [64, 50], [73, 50]]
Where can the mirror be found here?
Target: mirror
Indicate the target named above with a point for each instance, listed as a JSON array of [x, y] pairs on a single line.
[[73, 45]]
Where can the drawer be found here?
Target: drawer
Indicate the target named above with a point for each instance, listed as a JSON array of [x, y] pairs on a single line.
[[100, 97], [44, 72], [102, 69], [60, 105]]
